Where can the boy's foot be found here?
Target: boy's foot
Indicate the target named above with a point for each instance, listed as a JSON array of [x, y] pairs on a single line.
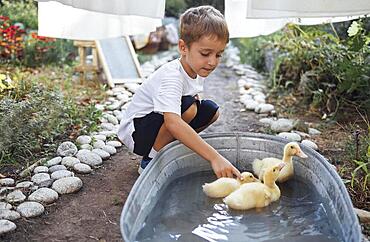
[[144, 162]]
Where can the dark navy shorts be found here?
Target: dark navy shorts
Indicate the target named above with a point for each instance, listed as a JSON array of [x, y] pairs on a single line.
[[147, 127]]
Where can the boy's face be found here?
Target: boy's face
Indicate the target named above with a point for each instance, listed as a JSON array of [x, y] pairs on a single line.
[[202, 56]]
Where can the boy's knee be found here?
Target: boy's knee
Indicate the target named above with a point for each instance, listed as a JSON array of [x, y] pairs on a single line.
[[215, 116], [190, 113]]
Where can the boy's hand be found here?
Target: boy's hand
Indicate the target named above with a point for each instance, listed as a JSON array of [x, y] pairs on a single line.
[[223, 168]]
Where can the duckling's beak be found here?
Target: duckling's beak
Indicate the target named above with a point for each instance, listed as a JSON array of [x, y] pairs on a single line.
[[301, 154]]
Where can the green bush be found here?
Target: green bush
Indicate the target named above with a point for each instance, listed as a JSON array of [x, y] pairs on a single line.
[[25, 47], [20, 11], [329, 71], [218, 4], [34, 124], [40, 51], [175, 7], [252, 51]]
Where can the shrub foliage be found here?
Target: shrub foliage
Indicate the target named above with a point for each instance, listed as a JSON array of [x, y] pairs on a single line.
[[329, 71]]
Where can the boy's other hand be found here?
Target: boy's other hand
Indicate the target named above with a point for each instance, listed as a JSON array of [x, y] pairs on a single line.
[[223, 168]]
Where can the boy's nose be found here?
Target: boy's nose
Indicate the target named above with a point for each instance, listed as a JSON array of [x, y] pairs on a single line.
[[212, 62]]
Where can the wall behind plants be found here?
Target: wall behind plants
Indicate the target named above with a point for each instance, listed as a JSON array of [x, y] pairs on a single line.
[[331, 71]]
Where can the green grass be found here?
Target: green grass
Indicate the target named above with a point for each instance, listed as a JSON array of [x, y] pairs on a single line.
[[357, 154]]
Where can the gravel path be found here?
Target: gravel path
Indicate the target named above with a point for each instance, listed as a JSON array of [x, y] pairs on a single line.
[[222, 88]]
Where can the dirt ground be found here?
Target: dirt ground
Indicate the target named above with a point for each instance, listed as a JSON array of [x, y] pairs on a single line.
[[92, 214]]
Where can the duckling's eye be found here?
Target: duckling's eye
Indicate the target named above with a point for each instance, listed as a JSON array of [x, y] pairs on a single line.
[[250, 176], [292, 147], [274, 170]]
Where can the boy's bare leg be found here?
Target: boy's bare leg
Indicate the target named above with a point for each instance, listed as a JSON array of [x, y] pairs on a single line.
[[164, 137]]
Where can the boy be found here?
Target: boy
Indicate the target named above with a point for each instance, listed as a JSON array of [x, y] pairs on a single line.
[[167, 106]]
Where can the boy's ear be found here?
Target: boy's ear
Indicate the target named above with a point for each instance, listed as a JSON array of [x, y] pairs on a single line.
[[182, 47]]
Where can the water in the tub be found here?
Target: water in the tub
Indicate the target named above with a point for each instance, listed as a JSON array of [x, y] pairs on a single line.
[[185, 213]]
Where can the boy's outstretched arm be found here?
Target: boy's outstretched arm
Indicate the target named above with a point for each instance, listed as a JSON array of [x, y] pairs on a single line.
[[181, 131]]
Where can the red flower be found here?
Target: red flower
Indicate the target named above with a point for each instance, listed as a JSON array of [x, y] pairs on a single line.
[[34, 35], [4, 18]]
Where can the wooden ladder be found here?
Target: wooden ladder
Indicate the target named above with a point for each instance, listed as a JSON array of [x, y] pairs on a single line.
[[83, 66]]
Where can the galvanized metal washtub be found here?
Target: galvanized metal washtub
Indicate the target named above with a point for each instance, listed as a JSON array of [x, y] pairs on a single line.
[[176, 160]]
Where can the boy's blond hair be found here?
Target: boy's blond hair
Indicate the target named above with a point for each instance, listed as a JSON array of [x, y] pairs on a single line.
[[202, 21]]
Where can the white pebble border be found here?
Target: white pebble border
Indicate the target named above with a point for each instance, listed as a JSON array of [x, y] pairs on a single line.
[[252, 95], [59, 175]]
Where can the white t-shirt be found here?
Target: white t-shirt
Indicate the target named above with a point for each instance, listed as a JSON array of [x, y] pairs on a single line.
[[161, 92]]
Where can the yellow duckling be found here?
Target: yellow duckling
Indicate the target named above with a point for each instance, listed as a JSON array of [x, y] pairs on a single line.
[[225, 185], [256, 194], [291, 149]]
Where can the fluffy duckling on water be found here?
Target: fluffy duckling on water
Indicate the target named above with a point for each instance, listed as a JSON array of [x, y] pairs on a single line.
[[225, 185], [256, 194], [291, 149]]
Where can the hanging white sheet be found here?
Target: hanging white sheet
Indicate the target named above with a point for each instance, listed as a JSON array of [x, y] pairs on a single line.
[[146, 8], [307, 8], [241, 26], [61, 21]]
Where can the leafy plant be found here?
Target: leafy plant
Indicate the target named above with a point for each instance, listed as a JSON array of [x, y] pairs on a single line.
[[40, 50], [6, 84], [361, 153], [33, 125], [362, 165], [25, 47], [11, 40], [252, 51], [23, 12], [175, 8], [330, 71]]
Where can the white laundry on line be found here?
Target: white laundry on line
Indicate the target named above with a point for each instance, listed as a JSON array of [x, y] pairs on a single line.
[[241, 26], [306, 8], [61, 21], [146, 8]]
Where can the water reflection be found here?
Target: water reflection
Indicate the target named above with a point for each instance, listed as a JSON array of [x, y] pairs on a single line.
[[184, 213]]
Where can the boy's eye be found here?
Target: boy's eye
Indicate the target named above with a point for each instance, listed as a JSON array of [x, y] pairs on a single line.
[[204, 54], [219, 55]]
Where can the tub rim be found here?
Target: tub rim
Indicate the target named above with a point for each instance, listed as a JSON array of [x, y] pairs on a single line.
[[307, 150]]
